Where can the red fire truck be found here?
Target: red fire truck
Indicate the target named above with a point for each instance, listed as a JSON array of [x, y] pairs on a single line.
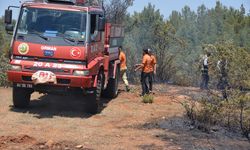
[[63, 46]]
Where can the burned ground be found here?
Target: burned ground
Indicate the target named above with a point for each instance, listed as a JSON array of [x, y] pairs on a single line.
[[59, 122]]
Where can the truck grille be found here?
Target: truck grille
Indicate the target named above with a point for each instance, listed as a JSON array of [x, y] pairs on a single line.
[[31, 58], [60, 71]]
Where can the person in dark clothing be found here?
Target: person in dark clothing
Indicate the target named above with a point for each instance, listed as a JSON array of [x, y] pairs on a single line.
[[223, 77], [145, 87], [204, 71]]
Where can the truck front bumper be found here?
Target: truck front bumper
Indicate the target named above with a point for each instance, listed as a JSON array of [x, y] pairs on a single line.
[[62, 80]]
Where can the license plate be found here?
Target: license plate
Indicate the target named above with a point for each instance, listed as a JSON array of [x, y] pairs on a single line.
[[24, 85], [41, 77]]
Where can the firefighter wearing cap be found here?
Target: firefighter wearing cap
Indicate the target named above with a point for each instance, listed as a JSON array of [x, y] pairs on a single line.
[[123, 68], [147, 68], [150, 52]]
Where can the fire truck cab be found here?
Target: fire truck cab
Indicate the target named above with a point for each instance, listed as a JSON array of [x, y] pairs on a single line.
[[60, 46]]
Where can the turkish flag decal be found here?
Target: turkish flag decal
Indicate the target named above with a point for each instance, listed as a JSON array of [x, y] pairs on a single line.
[[75, 53]]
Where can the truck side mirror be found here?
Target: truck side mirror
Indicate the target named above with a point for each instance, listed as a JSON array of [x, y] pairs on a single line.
[[8, 16], [101, 24], [9, 27]]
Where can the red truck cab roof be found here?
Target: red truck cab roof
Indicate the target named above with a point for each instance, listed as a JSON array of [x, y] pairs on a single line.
[[59, 6]]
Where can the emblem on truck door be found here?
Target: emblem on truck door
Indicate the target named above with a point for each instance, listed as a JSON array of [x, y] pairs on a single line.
[[75, 53], [23, 48]]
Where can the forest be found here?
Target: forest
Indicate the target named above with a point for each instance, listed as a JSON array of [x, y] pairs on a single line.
[[180, 40]]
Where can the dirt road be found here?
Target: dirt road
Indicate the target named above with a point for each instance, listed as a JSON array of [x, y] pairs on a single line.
[[59, 122]]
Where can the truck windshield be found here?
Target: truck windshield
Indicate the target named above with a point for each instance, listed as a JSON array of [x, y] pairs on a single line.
[[51, 25]]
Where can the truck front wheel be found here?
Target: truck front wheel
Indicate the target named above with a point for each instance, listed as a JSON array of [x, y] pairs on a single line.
[[93, 105], [112, 88], [21, 97]]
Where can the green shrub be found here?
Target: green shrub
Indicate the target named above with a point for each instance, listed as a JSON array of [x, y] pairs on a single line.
[[233, 113], [4, 66], [148, 98], [237, 64], [229, 107]]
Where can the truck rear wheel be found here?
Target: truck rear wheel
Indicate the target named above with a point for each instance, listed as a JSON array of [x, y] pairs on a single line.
[[93, 102], [21, 97], [112, 88]]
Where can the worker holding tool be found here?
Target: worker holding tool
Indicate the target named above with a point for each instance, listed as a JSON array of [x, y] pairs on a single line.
[[153, 73], [147, 68]]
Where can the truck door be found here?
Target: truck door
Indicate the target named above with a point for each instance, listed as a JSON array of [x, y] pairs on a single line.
[[96, 39]]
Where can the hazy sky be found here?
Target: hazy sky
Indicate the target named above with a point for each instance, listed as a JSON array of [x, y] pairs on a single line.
[[165, 6]]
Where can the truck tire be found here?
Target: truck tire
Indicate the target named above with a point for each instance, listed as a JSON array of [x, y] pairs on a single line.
[[21, 97], [93, 105], [112, 88]]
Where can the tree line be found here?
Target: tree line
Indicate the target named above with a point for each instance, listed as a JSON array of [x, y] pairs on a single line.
[[180, 40]]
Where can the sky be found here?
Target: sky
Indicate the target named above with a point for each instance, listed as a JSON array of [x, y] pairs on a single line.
[[165, 6]]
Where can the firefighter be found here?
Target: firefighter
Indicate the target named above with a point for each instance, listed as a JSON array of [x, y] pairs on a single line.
[[153, 73], [204, 71], [147, 68], [223, 77], [123, 68]]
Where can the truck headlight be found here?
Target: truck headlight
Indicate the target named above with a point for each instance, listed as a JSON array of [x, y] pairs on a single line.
[[81, 73], [16, 67]]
